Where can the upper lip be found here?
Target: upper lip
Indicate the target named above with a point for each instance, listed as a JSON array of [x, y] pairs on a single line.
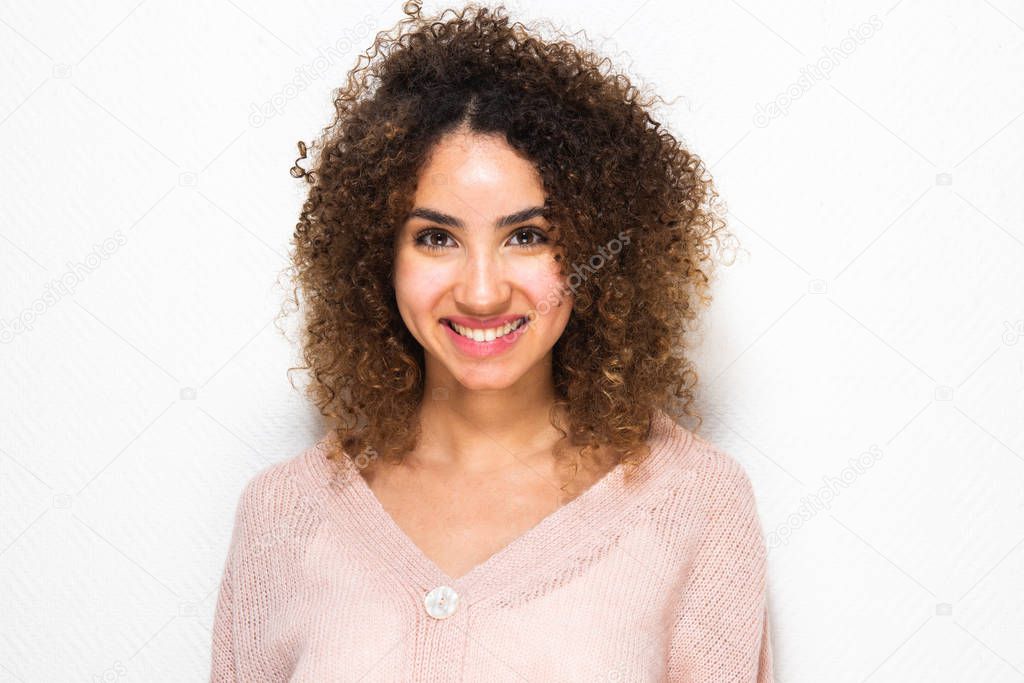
[[477, 324]]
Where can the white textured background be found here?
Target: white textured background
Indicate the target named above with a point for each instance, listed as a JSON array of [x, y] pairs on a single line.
[[864, 359]]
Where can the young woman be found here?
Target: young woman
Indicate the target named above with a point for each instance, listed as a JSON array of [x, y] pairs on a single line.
[[499, 257]]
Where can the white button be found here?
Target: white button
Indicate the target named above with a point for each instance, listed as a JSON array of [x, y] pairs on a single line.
[[441, 602]]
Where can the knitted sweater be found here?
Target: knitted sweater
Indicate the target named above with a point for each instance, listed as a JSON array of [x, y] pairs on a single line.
[[660, 577]]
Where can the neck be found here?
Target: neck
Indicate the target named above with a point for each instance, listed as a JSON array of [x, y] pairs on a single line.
[[479, 432]]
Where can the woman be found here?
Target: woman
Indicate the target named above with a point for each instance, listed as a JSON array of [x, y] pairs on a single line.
[[499, 256]]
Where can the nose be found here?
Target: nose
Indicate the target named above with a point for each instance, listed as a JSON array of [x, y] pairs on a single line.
[[483, 286]]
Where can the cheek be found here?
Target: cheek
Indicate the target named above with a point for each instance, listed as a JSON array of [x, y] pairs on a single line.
[[548, 291], [415, 285]]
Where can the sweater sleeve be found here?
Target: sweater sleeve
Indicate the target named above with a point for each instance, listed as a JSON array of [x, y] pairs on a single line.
[[222, 666], [223, 660], [721, 630]]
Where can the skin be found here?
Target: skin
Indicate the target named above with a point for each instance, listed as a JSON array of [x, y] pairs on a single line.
[[481, 415]]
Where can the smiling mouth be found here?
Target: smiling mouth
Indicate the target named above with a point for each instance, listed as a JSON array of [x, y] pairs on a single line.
[[489, 334]]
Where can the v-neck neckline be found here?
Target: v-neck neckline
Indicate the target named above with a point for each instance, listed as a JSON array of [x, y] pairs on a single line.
[[386, 540]]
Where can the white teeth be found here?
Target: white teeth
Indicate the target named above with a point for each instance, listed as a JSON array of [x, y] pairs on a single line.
[[489, 334]]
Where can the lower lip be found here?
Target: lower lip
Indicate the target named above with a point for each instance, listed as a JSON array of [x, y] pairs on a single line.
[[485, 349]]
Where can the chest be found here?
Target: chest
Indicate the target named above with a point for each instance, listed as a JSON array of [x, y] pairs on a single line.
[[606, 623], [458, 523]]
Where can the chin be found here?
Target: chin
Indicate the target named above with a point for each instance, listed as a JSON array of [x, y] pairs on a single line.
[[485, 375]]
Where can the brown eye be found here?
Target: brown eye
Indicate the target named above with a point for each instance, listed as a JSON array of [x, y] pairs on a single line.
[[423, 239], [541, 238]]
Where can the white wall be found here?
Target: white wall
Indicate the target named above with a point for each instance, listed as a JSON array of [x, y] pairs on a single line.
[[874, 314]]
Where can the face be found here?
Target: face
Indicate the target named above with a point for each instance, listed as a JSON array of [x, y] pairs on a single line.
[[475, 251]]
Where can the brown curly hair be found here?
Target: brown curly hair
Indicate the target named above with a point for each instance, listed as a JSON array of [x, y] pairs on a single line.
[[612, 175]]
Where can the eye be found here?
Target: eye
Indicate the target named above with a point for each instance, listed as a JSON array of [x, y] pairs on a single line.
[[541, 238], [424, 238]]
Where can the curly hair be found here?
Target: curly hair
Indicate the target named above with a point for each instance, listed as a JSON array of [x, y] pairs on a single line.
[[633, 213]]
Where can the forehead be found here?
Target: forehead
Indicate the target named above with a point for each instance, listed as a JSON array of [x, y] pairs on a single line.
[[477, 177]]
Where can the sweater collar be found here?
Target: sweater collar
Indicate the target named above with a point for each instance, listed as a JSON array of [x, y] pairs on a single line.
[[572, 530]]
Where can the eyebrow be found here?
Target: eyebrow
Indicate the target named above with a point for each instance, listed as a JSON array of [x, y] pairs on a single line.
[[511, 219]]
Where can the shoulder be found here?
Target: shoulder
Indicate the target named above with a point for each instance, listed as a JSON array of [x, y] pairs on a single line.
[[274, 481], [717, 480], [279, 490], [687, 453], [720, 470]]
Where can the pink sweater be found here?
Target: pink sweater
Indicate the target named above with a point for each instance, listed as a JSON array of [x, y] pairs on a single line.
[[661, 579]]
